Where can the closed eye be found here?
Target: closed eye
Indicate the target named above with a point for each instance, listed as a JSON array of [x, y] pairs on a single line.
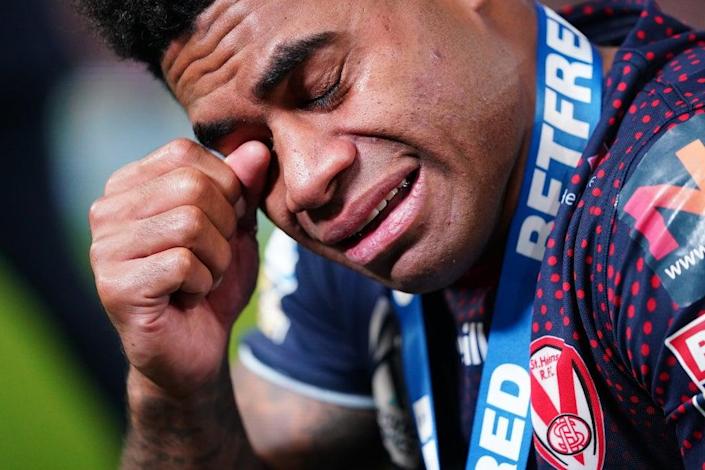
[[326, 100]]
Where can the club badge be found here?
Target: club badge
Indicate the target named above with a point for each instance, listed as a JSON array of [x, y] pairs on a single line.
[[565, 409]]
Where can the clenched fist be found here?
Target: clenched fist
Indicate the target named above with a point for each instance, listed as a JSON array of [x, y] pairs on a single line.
[[175, 257]]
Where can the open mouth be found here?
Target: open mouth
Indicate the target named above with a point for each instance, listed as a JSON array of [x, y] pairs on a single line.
[[379, 213]]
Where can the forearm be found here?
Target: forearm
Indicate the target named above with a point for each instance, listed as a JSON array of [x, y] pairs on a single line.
[[203, 431], [292, 431]]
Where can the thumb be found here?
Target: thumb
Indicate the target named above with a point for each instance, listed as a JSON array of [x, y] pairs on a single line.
[[250, 163]]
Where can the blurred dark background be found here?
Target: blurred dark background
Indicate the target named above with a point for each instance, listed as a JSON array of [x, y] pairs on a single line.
[[71, 116]]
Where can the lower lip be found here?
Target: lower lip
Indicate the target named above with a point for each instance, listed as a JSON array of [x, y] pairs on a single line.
[[394, 225]]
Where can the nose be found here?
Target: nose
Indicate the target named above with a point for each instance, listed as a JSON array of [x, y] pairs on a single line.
[[312, 165]]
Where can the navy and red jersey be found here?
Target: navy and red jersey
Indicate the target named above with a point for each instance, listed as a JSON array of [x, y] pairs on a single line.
[[618, 342]]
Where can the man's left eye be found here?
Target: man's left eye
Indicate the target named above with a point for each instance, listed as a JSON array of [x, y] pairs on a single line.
[[326, 99]]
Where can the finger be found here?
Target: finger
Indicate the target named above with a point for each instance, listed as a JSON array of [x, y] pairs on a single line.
[[176, 154], [189, 274], [250, 163], [185, 226], [148, 282], [184, 186]]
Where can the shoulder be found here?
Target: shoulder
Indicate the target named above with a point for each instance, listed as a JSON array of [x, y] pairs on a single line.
[[605, 294], [651, 288], [648, 172], [642, 171], [606, 278]]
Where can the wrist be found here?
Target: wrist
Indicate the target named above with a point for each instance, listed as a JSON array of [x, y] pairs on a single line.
[[144, 394], [201, 429]]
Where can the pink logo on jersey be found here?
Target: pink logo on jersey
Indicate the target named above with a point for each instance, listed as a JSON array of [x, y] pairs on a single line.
[[688, 345], [663, 202], [645, 203], [565, 410]]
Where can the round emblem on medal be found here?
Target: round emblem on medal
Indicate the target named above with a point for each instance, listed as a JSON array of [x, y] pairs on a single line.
[[569, 434]]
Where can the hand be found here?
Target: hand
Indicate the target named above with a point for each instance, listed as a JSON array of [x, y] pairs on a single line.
[[175, 257]]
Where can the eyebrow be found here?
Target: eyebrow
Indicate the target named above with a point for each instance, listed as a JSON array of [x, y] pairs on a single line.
[[209, 133], [285, 58]]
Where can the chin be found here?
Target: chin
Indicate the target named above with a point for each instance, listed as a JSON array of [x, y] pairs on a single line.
[[421, 273]]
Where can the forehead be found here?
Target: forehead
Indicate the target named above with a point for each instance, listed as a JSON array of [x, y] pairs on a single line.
[[238, 36]]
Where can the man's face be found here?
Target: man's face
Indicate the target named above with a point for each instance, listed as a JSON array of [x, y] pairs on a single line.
[[395, 124]]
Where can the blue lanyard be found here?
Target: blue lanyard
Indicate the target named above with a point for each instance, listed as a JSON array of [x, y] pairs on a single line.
[[568, 96]]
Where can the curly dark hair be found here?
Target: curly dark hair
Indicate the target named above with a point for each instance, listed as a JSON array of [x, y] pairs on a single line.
[[142, 29]]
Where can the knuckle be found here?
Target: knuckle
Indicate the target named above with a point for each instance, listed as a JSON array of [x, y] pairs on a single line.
[[102, 285], [108, 291], [109, 185], [95, 255], [232, 186], [230, 224], [183, 261], [191, 221], [112, 180], [225, 258], [95, 213], [192, 183], [182, 150]]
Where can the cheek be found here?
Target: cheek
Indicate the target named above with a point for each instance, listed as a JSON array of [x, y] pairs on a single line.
[[423, 103]]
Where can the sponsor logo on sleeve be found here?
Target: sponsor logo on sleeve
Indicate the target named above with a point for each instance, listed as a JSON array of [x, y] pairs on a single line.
[[565, 410], [688, 345], [664, 203]]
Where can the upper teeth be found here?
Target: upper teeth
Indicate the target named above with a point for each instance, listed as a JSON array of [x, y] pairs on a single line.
[[375, 212]]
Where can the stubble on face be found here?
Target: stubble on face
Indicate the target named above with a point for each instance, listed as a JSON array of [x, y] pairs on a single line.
[[430, 93]]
